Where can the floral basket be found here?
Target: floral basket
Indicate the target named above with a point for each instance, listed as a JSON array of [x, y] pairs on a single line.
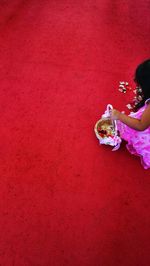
[[106, 130]]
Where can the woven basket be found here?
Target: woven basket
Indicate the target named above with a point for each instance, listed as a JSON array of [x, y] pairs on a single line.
[[106, 130]]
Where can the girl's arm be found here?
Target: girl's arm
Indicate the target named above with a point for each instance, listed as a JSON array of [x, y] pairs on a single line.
[[137, 124]]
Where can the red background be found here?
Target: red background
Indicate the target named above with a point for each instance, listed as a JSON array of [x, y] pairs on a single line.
[[65, 200]]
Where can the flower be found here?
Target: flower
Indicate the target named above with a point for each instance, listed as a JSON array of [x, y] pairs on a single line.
[[124, 87]]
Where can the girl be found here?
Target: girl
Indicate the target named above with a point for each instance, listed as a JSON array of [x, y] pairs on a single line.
[[135, 128]]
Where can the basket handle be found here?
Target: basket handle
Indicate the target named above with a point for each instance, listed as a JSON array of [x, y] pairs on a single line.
[[110, 107]]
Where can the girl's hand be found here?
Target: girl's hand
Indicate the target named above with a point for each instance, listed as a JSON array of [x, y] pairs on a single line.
[[114, 114]]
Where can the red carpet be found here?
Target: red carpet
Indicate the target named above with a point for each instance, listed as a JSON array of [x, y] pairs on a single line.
[[65, 200]]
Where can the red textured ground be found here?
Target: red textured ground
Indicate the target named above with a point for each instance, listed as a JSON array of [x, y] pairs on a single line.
[[65, 200]]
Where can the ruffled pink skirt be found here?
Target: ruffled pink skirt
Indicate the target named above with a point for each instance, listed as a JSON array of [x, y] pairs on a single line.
[[138, 142]]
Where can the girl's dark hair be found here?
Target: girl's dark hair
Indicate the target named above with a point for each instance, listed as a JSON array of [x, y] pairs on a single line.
[[142, 79]]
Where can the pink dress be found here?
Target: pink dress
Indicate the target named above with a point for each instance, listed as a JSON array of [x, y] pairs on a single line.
[[138, 141]]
